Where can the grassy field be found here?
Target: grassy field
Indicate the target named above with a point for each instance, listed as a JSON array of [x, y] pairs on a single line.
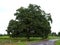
[[57, 42], [6, 40]]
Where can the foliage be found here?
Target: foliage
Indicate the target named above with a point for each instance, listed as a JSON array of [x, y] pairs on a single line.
[[58, 33], [30, 22], [53, 34]]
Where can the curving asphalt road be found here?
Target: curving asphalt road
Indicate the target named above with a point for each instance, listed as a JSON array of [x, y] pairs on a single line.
[[50, 42]]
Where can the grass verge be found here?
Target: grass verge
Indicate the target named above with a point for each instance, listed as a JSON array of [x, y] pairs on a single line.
[[57, 42], [6, 40]]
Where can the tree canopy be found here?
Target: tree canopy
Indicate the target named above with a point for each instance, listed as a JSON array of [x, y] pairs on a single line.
[[30, 21]]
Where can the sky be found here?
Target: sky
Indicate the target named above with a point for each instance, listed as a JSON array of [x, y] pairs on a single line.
[[8, 8]]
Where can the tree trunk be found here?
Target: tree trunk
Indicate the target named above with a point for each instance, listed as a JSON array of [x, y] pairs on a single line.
[[28, 38]]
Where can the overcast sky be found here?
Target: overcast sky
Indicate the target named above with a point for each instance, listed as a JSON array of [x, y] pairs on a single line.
[[8, 8]]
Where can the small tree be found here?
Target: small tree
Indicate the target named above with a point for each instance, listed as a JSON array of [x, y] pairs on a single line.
[[53, 34], [58, 33], [31, 21]]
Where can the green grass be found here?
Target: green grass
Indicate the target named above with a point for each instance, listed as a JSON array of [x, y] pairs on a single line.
[[53, 37], [4, 37], [12, 41], [22, 41], [57, 42], [17, 41]]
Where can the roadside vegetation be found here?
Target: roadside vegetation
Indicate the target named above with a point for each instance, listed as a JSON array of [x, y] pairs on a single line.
[[57, 42], [6, 40]]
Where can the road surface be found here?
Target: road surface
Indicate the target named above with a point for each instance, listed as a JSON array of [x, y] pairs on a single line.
[[49, 42]]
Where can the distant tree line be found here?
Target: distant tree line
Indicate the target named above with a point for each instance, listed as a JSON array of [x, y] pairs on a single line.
[[55, 34]]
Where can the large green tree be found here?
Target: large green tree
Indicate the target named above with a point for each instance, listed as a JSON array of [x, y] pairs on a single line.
[[30, 21]]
